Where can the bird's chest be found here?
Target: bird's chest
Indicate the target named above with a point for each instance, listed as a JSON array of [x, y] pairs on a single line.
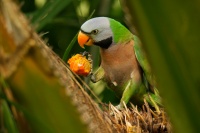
[[119, 63]]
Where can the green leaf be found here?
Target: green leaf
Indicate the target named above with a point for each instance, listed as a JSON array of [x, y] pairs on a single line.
[[45, 15], [9, 122], [169, 31], [70, 46]]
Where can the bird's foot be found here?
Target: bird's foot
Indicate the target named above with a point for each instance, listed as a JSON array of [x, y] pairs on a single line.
[[121, 106], [117, 109], [89, 58], [153, 103]]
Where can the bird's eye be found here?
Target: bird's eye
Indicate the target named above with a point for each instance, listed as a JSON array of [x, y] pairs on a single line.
[[95, 32]]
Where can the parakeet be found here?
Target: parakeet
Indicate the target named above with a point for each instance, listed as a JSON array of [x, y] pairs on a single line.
[[123, 64]]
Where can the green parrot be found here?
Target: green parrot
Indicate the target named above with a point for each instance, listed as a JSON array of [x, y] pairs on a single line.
[[123, 64]]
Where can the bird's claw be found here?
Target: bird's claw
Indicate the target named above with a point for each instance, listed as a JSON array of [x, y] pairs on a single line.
[[89, 58]]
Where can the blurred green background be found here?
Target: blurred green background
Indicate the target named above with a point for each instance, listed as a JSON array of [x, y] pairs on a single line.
[[62, 27]]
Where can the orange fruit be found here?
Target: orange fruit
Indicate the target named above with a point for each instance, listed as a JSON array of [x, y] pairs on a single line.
[[79, 64]]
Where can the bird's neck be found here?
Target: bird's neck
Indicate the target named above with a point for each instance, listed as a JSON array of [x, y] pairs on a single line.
[[117, 53], [104, 44]]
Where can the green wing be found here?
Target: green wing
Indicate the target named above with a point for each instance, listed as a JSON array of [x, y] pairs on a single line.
[[141, 57]]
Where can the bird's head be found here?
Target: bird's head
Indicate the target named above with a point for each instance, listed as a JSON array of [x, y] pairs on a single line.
[[102, 31], [96, 31]]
